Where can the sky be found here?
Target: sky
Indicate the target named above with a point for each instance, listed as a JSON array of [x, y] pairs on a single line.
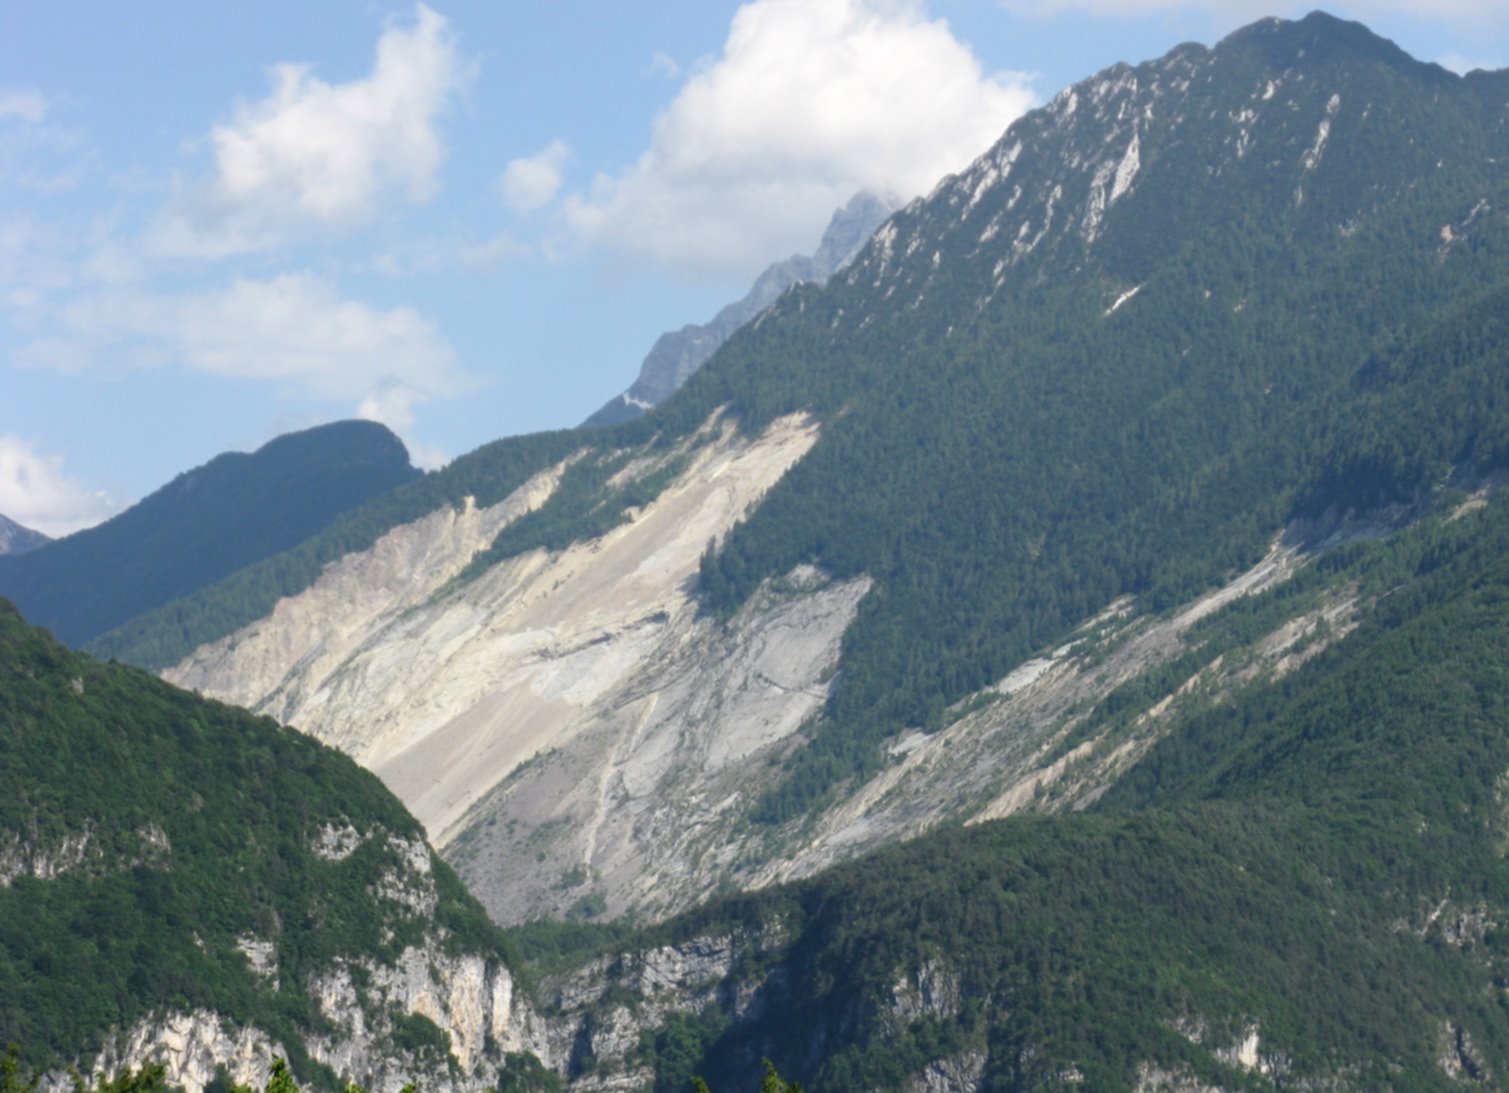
[[469, 219]]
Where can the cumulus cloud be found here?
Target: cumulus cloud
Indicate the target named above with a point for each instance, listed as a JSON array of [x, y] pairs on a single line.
[[317, 157], [294, 329], [1460, 11], [528, 183], [34, 491], [810, 101]]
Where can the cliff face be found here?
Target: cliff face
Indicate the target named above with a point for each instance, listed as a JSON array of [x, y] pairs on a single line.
[[15, 539], [369, 1004]]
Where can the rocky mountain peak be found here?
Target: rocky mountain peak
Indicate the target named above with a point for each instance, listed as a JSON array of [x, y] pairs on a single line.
[[677, 354]]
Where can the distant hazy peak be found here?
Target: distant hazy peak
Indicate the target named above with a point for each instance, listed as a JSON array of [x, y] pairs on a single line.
[[677, 354], [15, 539]]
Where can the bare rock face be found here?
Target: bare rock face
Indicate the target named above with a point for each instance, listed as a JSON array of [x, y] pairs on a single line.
[[593, 662], [579, 738], [677, 354], [470, 998]]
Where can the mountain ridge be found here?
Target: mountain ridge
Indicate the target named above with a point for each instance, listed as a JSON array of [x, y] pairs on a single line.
[[1064, 646], [206, 523], [677, 354], [1162, 326]]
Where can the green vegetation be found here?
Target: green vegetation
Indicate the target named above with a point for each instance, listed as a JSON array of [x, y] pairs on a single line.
[[1318, 860], [1008, 470], [1002, 453], [207, 523], [168, 828]]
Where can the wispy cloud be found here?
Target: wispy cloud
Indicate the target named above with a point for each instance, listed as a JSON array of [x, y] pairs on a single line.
[[443, 254], [294, 329], [315, 157], [27, 106], [809, 101], [664, 65], [35, 491]]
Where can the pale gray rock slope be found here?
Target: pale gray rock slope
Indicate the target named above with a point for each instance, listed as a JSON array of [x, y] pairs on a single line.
[[597, 655], [16, 539], [677, 354], [577, 734]]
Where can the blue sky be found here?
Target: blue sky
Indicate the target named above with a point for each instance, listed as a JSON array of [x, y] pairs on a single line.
[[468, 219]]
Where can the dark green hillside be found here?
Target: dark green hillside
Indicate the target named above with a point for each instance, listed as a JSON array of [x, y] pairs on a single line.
[[144, 830], [163, 636], [1014, 453], [235, 510], [1320, 861]]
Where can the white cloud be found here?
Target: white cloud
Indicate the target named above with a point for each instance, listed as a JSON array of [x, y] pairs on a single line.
[[28, 106], [527, 184], [318, 157], [810, 101], [293, 329], [35, 492], [663, 64], [442, 254]]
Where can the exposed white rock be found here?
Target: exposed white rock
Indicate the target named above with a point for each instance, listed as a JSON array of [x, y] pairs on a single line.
[[261, 956], [336, 843], [1004, 752], [410, 882], [27, 854], [1121, 299], [23, 856], [191, 1046], [961, 1073], [269, 665], [473, 1000]]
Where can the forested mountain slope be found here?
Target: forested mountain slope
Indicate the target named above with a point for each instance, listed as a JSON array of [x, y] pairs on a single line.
[[1302, 886], [678, 353], [183, 882], [1159, 341], [208, 522]]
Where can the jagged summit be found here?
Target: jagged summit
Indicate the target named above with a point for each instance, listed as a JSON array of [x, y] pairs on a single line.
[[676, 355]]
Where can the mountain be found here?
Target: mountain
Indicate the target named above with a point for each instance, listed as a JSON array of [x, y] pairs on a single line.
[[873, 567], [205, 524], [676, 355], [15, 539], [1062, 650], [183, 882]]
